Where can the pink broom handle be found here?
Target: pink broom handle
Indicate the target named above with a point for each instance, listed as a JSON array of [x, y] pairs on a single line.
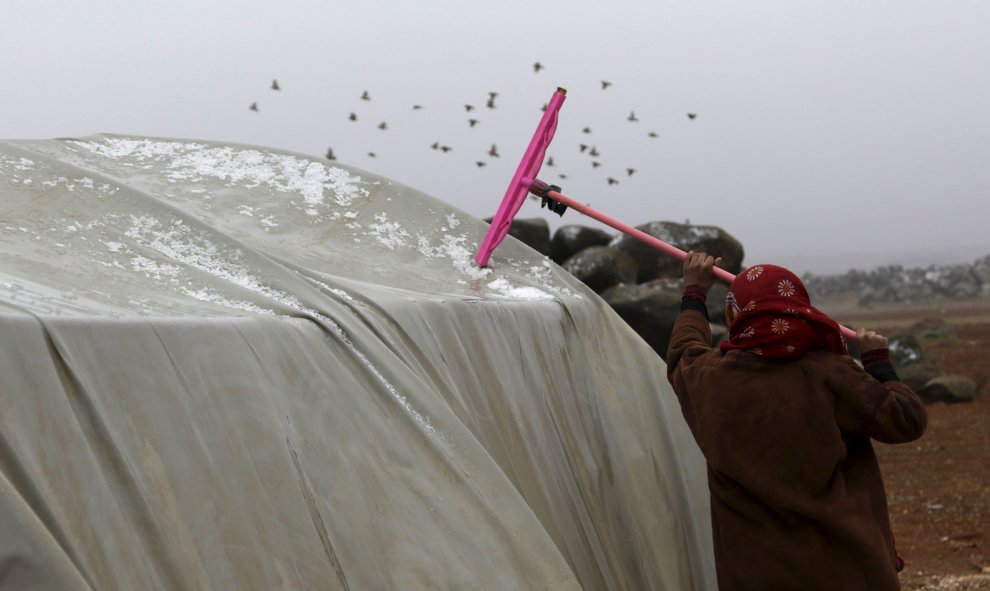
[[644, 237]]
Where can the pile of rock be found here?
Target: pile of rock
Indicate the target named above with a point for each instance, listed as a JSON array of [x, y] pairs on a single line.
[[894, 283], [642, 284], [916, 368]]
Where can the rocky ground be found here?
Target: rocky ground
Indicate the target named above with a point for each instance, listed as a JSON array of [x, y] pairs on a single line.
[[939, 487]]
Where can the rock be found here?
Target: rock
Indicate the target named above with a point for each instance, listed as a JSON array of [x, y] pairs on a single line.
[[716, 302], [571, 239], [906, 350], [534, 232], [650, 312], [671, 284], [601, 267], [917, 375], [654, 263], [949, 389]]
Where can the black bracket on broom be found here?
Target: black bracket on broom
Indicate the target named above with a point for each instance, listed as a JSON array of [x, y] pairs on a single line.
[[542, 190]]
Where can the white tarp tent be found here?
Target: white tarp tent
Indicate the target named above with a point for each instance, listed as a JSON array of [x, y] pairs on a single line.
[[228, 367]]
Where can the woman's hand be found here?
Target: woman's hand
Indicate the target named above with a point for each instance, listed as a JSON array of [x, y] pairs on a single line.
[[698, 269], [870, 340]]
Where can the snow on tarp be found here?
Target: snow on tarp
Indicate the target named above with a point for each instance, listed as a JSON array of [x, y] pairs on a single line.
[[229, 367]]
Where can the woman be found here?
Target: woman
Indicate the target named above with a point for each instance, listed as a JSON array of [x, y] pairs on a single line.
[[784, 417]]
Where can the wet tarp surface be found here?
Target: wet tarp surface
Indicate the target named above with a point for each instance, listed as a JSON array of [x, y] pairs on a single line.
[[228, 367]]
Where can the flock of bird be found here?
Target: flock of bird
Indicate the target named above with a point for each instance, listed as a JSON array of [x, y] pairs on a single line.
[[473, 120]]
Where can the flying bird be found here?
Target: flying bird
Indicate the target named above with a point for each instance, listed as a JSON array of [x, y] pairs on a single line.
[[493, 152], [330, 154], [537, 67], [468, 108], [480, 163], [632, 116], [586, 130], [352, 117], [275, 85], [472, 122], [594, 151], [371, 154], [605, 84], [584, 147], [653, 134], [382, 125], [563, 176], [630, 171], [692, 115], [595, 164], [491, 99], [544, 109], [445, 148], [612, 181], [254, 106], [436, 145], [365, 96], [550, 161], [417, 107]]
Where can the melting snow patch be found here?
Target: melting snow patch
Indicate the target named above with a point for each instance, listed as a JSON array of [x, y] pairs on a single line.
[[204, 295], [245, 167], [390, 234], [347, 215], [19, 164], [141, 149], [341, 294], [454, 248], [152, 269], [704, 232], [452, 221], [909, 354], [541, 272], [503, 286]]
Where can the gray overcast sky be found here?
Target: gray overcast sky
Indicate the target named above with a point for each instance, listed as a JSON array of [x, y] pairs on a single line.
[[828, 134]]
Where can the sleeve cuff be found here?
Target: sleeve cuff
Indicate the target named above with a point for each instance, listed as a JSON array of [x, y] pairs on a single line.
[[877, 363], [694, 298], [695, 292]]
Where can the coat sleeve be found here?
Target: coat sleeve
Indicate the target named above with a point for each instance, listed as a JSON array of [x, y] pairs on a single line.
[[690, 339], [889, 412]]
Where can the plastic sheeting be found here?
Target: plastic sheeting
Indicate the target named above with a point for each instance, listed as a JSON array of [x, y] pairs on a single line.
[[228, 367]]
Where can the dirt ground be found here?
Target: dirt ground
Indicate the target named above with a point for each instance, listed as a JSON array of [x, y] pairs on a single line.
[[938, 487]]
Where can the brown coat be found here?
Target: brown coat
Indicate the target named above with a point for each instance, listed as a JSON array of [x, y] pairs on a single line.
[[797, 498]]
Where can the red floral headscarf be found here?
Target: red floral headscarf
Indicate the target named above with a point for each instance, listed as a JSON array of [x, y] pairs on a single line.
[[770, 314]]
